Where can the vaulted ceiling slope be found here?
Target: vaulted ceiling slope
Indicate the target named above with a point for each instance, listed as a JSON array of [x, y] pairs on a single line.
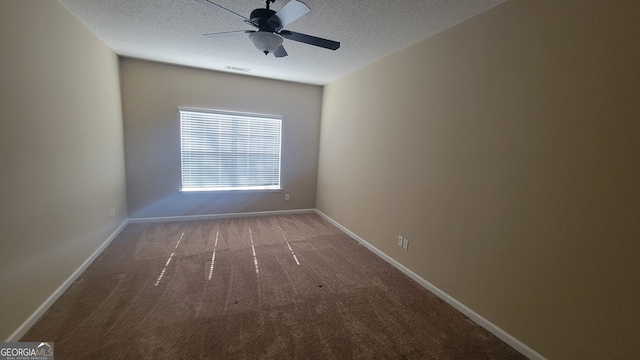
[[171, 31]]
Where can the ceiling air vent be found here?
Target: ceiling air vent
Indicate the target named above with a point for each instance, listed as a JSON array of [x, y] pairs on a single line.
[[235, 68]]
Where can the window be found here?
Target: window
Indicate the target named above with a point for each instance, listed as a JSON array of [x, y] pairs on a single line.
[[229, 151]]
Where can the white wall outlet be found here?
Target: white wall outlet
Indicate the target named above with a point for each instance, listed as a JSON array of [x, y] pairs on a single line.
[[112, 213], [405, 244], [286, 197], [400, 239]]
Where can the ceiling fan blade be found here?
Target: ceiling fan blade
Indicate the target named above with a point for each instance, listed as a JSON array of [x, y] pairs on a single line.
[[280, 52], [311, 40], [291, 12], [224, 10], [228, 33]]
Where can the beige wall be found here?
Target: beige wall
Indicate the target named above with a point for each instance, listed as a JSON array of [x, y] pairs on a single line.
[[61, 152], [506, 149], [152, 93]]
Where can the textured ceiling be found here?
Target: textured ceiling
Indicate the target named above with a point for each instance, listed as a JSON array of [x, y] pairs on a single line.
[[171, 31]]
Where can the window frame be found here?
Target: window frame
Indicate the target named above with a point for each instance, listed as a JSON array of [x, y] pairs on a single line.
[[229, 189]]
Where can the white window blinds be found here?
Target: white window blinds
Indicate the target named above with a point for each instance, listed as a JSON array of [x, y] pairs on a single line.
[[229, 151]]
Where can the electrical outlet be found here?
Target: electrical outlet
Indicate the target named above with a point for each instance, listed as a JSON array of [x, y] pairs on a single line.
[[400, 239], [112, 213], [405, 244], [286, 197]]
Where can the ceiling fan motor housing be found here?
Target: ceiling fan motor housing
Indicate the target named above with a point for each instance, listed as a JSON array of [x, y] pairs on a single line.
[[265, 20]]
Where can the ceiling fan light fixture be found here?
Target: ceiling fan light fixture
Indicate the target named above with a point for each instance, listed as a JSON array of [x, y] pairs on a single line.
[[265, 41]]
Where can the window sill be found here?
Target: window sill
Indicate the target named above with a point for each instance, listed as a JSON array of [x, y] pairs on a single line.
[[211, 191]]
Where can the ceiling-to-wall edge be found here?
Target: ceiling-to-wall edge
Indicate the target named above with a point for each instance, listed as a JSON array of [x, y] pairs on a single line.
[[246, 73]]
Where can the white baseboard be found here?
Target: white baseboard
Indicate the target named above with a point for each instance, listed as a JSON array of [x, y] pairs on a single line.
[[35, 316], [477, 318], [219, 216]]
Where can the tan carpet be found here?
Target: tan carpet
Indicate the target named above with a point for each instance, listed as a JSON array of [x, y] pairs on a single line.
[[340, 302]]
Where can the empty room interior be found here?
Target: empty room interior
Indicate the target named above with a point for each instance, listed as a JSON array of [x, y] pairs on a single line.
[[485, 168]]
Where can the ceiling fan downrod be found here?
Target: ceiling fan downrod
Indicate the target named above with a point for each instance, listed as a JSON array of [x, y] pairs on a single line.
[[269, 2]]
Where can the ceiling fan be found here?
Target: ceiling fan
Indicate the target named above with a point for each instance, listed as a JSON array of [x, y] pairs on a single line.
[[269, 36]]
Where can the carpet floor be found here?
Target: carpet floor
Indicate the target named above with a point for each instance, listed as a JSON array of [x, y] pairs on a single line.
[[271, 287]]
